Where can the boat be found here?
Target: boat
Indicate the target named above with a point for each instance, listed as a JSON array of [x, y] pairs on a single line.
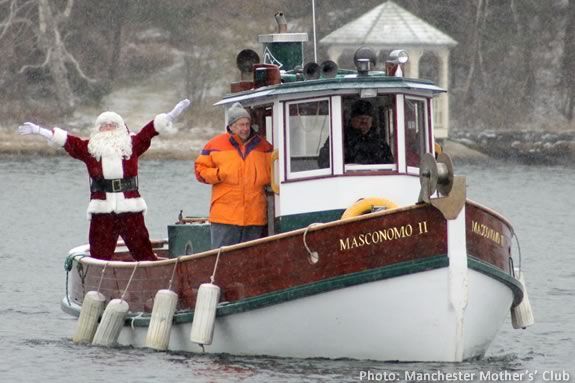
[[381, 261]]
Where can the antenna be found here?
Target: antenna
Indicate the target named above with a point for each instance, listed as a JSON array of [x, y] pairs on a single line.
[[314, 37]]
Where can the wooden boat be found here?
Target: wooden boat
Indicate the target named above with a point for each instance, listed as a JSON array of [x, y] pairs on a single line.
[[413, 272]]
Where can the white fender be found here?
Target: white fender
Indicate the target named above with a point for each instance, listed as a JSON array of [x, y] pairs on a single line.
[[111, 323], [205, 314], [158, 336], [522, 315], [92, 307]]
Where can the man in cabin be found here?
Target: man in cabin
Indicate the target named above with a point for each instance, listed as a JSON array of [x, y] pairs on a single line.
[[237, 164], [111, 155], [363, 145]]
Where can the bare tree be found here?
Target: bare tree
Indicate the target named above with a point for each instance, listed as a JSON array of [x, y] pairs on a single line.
[[45, 22], [568, 63], [476, 71]]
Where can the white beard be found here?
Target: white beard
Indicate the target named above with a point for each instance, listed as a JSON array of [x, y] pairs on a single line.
[[114, 143]]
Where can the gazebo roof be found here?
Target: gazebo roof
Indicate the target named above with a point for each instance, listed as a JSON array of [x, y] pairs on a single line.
[[388, 25]]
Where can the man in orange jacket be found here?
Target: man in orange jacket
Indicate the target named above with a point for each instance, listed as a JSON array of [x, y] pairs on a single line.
[[238, 165]]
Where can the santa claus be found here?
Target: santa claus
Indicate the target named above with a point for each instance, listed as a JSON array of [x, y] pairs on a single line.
[[111, 155]]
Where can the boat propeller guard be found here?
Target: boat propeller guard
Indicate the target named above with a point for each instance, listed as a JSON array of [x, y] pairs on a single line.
[[437, 175]]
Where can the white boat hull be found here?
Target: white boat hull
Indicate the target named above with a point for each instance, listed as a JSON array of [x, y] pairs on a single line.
[[407, 318]]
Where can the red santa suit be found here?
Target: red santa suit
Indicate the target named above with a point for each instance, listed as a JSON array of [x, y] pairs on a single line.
[[114, 209]]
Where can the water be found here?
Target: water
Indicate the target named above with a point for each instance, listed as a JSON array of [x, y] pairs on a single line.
[[42, 216]]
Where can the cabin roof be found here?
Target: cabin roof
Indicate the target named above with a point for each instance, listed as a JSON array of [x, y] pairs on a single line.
[[388, 25], [347, 82]]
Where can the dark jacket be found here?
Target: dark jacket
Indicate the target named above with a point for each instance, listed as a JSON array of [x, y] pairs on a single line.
[[360, 149]]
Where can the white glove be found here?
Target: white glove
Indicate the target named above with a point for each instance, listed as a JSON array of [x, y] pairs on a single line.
[[178, 109], [31, 128]]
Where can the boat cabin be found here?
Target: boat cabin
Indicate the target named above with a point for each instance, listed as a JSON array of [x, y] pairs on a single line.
[[307, 113]]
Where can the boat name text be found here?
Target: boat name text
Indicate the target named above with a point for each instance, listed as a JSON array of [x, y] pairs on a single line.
[[382, 235], [487, 232]]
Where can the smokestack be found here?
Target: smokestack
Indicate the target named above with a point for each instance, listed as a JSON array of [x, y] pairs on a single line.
[[282, 23]]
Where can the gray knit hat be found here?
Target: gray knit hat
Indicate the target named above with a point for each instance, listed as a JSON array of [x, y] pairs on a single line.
[[236, 112]]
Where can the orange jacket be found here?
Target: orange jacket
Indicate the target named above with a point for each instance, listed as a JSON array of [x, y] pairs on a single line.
[[238, 172]]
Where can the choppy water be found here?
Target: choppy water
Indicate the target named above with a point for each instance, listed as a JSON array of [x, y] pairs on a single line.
[[42, 216]]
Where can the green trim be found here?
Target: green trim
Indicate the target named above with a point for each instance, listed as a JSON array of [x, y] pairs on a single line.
[[337, 85], [291, 222], [498, 274], [395, 270], [335, 283], [269, 299], [373, 80]]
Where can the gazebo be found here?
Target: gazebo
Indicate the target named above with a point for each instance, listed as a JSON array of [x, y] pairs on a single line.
[[387, 27]]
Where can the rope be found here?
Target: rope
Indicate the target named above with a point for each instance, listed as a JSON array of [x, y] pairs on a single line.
[[102, 276], [518, 248], [134, 318], [130, 280], [212, 278], [313, 255], [68, 263], [82, 274], [173, 273]]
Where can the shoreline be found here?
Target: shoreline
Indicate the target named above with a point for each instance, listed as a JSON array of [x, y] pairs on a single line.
[[175, 147], [182, 147], [178, 148]]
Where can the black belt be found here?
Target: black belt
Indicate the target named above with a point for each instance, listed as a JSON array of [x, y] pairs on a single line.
[[118, 185]]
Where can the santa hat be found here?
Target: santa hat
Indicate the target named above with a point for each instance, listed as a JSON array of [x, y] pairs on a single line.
[[109, 117]]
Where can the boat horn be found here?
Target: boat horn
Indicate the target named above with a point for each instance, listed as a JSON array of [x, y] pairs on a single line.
[[311, 71], [245, 61], [328, 69]]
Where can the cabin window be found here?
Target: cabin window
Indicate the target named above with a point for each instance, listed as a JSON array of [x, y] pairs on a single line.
[[415, 130], [308, 128], [368, 132]]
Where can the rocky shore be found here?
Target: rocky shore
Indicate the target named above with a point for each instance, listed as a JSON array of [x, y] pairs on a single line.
[[530, 147]]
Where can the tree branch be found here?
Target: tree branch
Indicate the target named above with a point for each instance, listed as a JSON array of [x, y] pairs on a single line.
[[74, 62], [12, 18], [8, 23], [65, 14], [45, 63], [476, 44], [68, 9]]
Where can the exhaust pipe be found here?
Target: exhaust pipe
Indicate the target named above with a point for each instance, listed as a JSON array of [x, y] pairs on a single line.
[[282, 23]]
